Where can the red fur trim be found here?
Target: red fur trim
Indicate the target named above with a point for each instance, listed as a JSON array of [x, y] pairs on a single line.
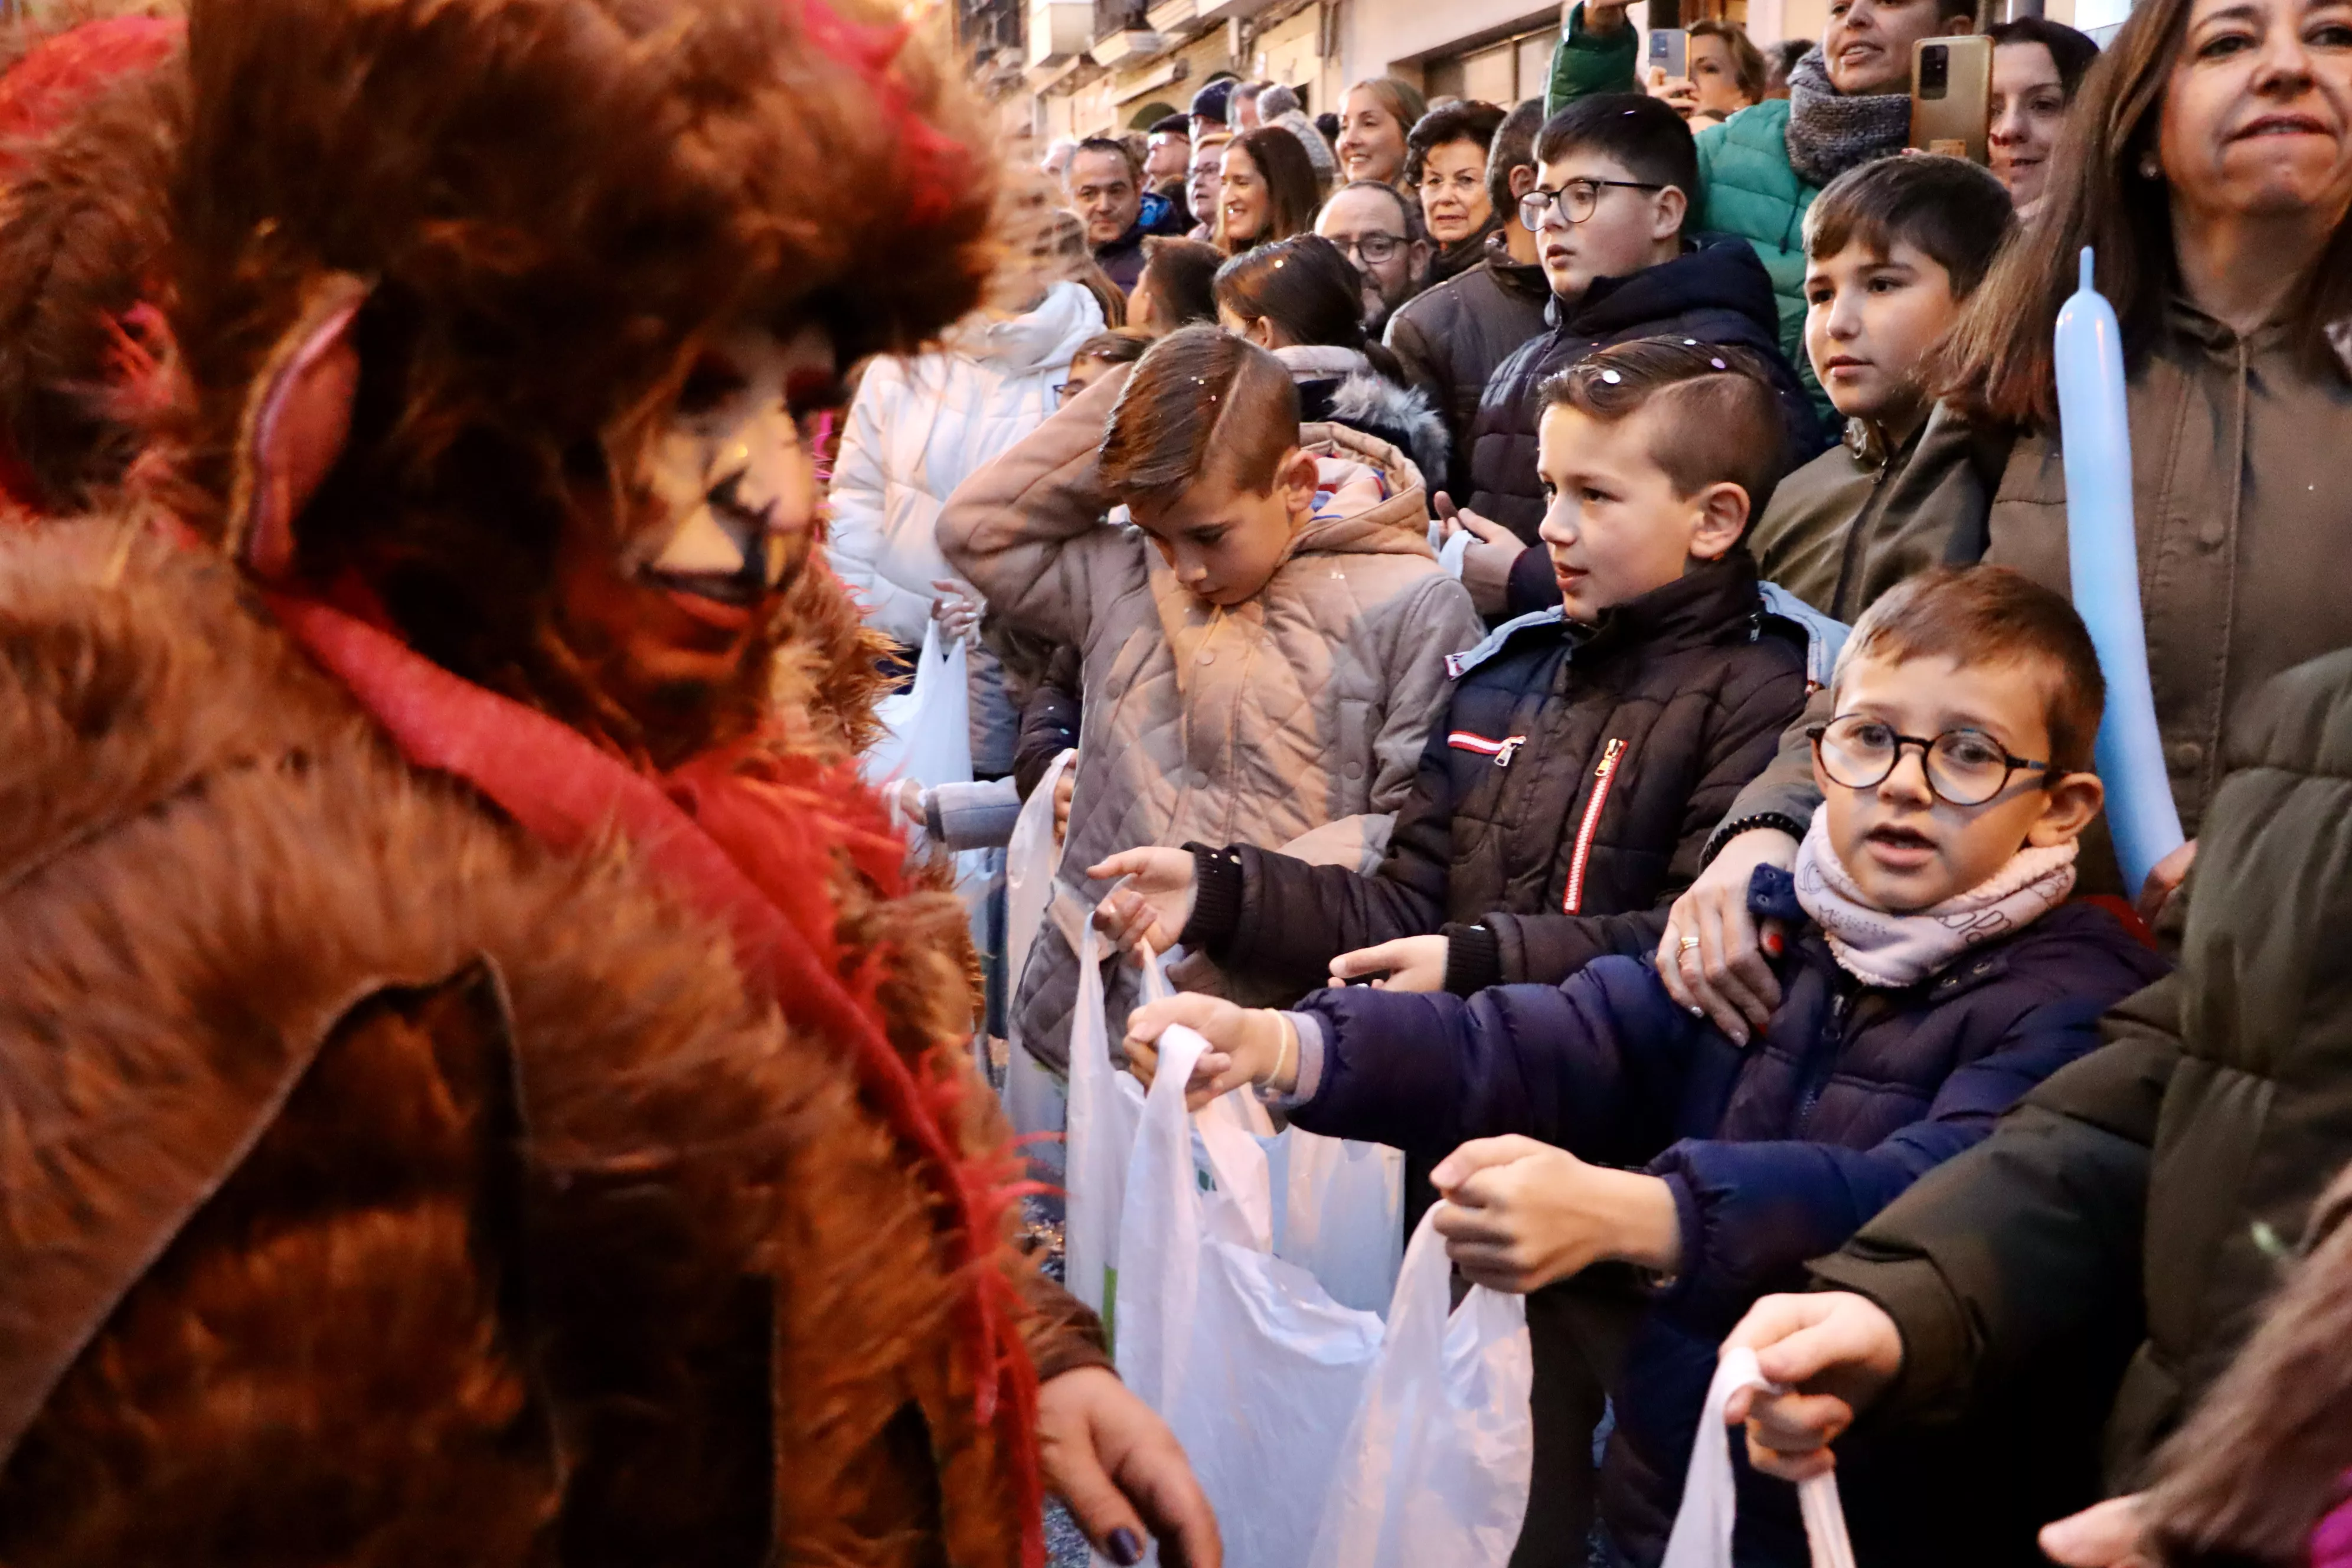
[[936, 164], [60, 74], [745, 836]]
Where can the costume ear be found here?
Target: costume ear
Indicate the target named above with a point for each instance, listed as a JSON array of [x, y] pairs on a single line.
[[296, 419]]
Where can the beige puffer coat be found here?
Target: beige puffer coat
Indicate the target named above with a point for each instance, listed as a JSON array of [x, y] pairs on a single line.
[[1303, 709]]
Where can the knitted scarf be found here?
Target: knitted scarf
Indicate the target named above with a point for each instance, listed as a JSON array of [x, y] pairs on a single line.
[[1453, 260], [1830, 132], [1882, 949]]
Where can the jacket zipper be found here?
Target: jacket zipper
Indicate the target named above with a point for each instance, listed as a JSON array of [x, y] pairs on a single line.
[[1818, 1079], [1603, 776], [1502, 750]]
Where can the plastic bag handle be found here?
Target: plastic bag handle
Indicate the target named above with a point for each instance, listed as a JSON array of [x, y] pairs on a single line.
[[1702, 1533]]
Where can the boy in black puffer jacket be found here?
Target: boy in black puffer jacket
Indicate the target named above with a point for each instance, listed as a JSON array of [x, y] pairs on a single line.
[[1586, 751], [1933, 974]]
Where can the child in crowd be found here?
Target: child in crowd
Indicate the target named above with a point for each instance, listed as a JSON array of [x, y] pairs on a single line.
[[1262, 651], [1616, 177], [1587, 750], [1893, 250], [1932, 974]]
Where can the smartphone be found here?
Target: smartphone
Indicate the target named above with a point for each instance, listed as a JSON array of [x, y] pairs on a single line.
[[1951, 95], [1670, 51]]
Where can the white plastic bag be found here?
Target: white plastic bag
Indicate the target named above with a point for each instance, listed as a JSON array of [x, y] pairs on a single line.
[[1105, 1108], [1035, 1100], [1253, 1365], [1702, 1537], [929, 725], [1341, 1214], [1435, 1470]]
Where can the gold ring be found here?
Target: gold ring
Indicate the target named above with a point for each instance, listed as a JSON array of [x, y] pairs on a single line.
[[1689, 943]]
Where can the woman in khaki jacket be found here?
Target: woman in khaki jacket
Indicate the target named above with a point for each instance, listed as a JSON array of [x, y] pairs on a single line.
[[2211, 169], [1263, 649]]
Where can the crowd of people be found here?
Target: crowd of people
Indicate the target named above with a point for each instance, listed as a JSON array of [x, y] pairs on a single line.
[[1558, 616]]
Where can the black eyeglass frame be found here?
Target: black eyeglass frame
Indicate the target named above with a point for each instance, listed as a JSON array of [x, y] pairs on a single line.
[[1354, 249], [1536, 202], [2012, 766]]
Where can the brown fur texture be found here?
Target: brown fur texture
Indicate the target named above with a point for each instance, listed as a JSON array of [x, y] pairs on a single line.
[[204, 851], [2247, 1479], [82, 238], [558, 203]]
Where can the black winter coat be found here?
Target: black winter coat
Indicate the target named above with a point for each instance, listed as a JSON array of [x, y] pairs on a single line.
[[1561, 805], [1774, 1153], [1449, 339], [1716, 292]]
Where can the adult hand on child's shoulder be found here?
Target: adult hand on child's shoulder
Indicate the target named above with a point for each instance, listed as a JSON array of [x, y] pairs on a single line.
[[1408, 963], [1156, 903], [1835, 1352], [1247, 1045], [1713, 956], [2164, 880], [1122, 1472]]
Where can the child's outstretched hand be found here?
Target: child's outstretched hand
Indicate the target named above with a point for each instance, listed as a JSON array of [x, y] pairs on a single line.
[[1835, 1352], [1246, 1046], [1156, 901], [1520, 1215], [1408, 963]]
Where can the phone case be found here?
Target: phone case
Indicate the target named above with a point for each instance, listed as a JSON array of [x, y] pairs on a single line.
[[1670, 50], [1951, 95]]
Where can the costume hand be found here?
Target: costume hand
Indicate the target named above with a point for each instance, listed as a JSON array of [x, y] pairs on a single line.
[[955, 608], [1410, 964], [2164, 880], [2106, 1536], [1066, 789], [1245, 1044], [1520, 1215], [1121, 1472], [1725, 978], [1835, 1352], [1156, 901], [1486, 566]]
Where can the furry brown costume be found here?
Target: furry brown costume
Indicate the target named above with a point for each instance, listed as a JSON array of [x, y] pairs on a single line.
[[376, 1184]]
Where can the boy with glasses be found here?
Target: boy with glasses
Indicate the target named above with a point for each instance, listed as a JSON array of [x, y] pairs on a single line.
[[1614, 182], [1377, 230], [1932, 975]]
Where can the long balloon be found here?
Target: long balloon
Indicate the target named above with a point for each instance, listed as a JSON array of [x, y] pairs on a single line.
[[2103, 551]]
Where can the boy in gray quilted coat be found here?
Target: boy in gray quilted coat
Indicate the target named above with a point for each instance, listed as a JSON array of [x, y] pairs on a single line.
[[1263, 642]]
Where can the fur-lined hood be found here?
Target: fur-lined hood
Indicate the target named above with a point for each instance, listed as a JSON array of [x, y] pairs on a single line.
[[509, 1217], [1341, 385]]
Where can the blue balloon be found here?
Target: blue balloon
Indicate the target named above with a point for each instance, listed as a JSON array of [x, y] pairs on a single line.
[[2103, 553]]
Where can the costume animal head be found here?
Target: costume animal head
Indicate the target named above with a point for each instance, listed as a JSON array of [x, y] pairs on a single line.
[[499, 313]]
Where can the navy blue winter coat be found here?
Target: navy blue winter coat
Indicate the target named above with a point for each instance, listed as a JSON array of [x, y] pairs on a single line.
[[1776, 1154]]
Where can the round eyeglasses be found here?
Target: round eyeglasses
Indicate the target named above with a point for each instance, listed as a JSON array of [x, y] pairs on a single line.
[[1964, 767], [1576, 200]]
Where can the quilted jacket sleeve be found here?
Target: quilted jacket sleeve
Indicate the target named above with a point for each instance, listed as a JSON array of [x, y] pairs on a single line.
[[1753, 1214], [1425, 1071], [1028, 530], [2034, 1234], [1786, 786], [1440, 620], [858, 498], [1743, 736]]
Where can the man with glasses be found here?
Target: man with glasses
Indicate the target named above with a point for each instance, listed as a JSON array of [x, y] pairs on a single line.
[[1615, 177], [1451, 338], [1375, 229]]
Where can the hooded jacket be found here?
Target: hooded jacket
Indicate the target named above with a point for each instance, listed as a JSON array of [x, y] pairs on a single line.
[[1340, 387], [1449, 339], [1578, 769], [1774, 1151], [1715, 292], [1303, 709], [921, 426], [2136, 1213], [386, 1181]]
